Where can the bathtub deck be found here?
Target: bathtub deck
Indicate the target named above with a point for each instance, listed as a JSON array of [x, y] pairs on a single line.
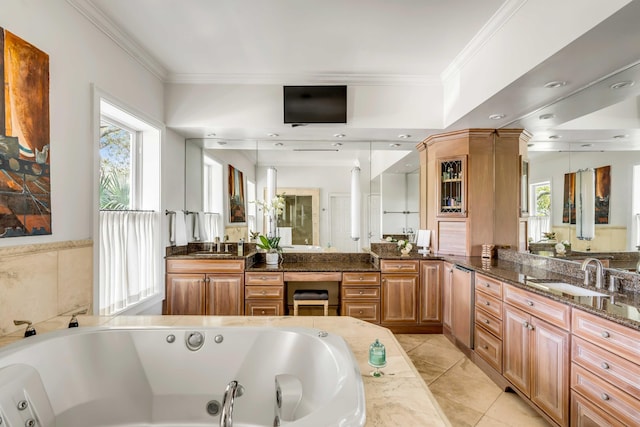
[[400, 397]]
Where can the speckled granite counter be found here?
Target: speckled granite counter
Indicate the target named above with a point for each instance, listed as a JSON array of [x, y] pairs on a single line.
[[622, 307], [400, 398]]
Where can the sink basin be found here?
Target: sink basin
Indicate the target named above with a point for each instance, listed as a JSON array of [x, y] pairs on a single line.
[[211, 254], [566, 288]]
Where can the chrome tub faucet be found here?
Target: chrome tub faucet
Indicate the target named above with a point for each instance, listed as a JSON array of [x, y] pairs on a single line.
[[234, 389]]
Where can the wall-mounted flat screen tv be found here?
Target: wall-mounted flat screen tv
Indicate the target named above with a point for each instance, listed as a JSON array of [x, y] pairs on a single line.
[[315, 104]]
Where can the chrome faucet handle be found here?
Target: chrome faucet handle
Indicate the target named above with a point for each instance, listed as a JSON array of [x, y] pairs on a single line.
[[73, 323], [30, 331], [614, 283]]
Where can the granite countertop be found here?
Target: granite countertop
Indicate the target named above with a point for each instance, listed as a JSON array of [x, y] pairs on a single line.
[[621, 307], [400, 397]]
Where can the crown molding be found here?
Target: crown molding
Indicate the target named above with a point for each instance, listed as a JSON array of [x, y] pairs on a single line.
[[94, 15], [300, 78], [488, 30]]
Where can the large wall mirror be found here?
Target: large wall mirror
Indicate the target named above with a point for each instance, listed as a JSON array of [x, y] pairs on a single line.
[[321, 170], [598, 129]]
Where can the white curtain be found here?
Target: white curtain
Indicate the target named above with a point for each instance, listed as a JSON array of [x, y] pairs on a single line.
[[539, 225], [129, 256]]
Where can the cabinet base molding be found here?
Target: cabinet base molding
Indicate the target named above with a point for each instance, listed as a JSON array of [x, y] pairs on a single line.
[[495, 376], [413, 329]]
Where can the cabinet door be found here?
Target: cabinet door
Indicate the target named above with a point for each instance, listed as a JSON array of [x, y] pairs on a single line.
[[516, 350], [447, 282], [452, 189], [225, 294], [399, 298], [462, 302], [430, 291], [185, 294], [550, 370]]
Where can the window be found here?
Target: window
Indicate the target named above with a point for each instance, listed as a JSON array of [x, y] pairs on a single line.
[[129, 200], [540, 219]]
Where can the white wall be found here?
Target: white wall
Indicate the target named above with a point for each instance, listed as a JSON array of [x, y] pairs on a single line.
[[80, 55]]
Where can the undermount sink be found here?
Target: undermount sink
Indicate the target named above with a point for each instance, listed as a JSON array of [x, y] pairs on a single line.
[[211, 254], [566, 288]]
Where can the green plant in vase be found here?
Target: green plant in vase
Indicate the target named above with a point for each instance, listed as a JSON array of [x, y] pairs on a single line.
[[272, 246]]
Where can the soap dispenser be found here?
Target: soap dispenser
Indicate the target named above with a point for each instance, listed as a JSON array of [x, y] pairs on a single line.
[[377, 358], [241, 247]]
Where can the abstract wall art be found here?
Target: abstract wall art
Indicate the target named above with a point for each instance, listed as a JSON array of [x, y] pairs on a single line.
[[25, 184]]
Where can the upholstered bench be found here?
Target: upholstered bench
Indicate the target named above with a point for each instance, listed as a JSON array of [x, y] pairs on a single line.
[[311, 297]]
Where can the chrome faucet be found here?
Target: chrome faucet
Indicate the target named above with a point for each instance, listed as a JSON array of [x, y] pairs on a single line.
[[599, 272], [234, 389]]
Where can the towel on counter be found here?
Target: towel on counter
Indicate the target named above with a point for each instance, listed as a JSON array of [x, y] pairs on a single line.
[[196, 227], [179, 229]]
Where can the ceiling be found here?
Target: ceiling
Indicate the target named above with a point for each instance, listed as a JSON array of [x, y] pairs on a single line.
[[385, 43]]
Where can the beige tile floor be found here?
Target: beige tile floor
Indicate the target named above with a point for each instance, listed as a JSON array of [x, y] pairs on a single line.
[[466, 395]]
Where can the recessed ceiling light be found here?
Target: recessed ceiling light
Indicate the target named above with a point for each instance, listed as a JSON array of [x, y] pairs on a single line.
[[554, 136], [623, 84], [555, 84], [337, 144], [222, 143], [339, 135], [404, 136], [273, 135], [278, 144], [586, 145], [497, 116], [394, 145], [211, 134], [546, 116], [620, 136]]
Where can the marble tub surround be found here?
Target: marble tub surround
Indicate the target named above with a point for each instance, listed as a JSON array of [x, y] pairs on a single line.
[[41, 281], [400, 397]]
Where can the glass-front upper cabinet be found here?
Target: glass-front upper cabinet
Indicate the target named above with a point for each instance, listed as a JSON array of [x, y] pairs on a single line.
[[452, 191]]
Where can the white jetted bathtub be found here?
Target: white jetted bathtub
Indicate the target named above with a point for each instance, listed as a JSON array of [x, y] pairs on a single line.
[[86, 377]]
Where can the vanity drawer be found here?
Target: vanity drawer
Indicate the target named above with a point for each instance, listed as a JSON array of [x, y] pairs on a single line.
[[489, 286], [612, 400], [260, 292], [369, 311], [263, 308], [618, 371], [360, 292], [263, 279], [489, 304], [618, 339], [489, 348], [489, 322], [365, 279], [399, 266], [541, 307], [205, 266]]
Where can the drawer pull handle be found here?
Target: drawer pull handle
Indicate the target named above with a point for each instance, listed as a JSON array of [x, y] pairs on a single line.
[[530, 303], [485, 347], [360, 312], [263, 278], [361, 292], [262, 312], [605, 334], [487, 303], [604, 365], [361, 278], [525, 324], [605, 396], [488, 285], [264, 292], [486, 321]]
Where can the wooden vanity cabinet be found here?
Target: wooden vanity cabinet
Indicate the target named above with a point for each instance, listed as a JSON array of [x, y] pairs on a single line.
[[204, 287], [360, 296], [536, 351], [605, 372], [488, 321], [264, 294], [400, 291], [431, 275]]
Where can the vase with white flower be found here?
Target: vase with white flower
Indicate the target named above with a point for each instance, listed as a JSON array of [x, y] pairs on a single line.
[[271, 210], [405, 247], [272, 246]]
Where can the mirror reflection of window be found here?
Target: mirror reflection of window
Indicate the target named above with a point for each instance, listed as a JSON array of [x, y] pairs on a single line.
[[540, 208], [251, 207]]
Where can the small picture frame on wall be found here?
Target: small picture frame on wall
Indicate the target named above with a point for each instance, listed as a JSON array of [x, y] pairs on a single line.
[[237, 210]]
